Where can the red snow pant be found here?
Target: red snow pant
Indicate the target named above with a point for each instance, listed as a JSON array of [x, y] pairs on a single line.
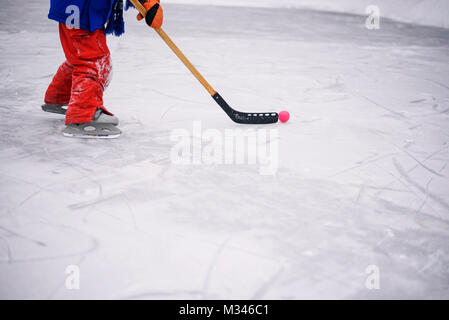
[[82, 78]]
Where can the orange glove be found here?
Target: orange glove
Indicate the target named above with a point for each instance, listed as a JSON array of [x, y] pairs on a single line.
[[155, 14]]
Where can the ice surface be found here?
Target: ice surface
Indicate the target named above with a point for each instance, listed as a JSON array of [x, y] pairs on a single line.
[[362, 179]]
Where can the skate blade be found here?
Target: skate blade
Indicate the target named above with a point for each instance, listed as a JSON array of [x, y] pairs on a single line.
[[92, 131], [70, 135]]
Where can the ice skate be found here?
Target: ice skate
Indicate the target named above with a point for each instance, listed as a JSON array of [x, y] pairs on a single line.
[[100, 115], [103, 126], [55, 108]]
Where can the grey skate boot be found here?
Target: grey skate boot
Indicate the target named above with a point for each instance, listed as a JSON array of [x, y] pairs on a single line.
[[103, 126], [102, 117]]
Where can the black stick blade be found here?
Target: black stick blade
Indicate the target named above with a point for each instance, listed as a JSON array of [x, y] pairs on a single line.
[[244, 117]]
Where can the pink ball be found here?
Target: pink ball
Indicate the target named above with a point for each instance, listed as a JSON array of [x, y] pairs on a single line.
[[284, 116]]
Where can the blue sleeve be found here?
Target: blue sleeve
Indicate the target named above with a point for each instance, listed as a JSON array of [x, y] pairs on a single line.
[[93, 13]]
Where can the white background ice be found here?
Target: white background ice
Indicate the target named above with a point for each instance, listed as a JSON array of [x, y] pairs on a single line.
[[363, 176]]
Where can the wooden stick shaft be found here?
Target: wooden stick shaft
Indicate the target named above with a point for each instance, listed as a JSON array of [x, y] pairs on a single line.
[[177, 51]]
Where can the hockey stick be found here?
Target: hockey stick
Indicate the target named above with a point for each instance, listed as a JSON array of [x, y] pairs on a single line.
[[236, 116]]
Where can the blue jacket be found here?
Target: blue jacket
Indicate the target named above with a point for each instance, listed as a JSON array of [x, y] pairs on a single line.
[[94, 14]]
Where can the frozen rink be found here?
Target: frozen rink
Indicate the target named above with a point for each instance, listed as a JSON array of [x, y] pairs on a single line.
[[363, 162]]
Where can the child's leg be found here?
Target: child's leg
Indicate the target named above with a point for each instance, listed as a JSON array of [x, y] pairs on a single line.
[[90, 57], [60, 88]]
